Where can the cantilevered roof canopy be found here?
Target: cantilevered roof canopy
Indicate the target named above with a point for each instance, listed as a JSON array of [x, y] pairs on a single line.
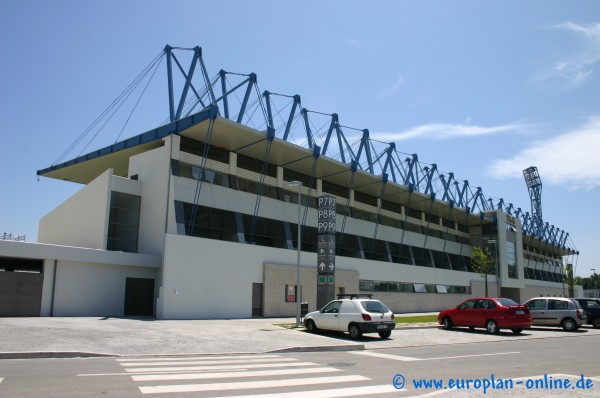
[[241, 139], [87, 167]]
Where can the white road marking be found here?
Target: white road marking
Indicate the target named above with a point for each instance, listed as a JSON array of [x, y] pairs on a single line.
[[409, 359], [196, 358], [232, 375], [475, 355], [385, 356], [205, 362], [219, 367], [338, 392], [249, 384], [1, 378]]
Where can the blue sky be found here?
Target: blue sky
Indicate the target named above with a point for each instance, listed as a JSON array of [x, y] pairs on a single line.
[[482, 89]]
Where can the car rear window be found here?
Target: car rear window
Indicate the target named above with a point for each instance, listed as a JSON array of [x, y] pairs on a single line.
[[374, 306], [506, 302]]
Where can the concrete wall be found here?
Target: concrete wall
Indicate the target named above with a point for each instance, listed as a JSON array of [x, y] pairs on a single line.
[[153, 171], [82, 220], [538, 289], [276, 276], [206, 279], [88, 289], [209, 279]]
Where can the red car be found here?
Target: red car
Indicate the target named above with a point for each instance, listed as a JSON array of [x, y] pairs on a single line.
[[490, 313]]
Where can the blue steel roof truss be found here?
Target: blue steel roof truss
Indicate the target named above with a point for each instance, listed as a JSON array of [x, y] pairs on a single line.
[[255, 110]]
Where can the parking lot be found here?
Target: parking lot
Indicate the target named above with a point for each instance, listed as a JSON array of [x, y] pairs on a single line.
[[31, 337]]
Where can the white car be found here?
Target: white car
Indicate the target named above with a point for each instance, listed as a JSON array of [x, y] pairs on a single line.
[[356, 314]]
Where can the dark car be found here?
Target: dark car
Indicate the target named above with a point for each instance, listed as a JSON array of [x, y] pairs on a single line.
[[492, 314], [591, 306]]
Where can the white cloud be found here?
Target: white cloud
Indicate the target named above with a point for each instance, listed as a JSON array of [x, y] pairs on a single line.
[[576, 70], [570, 159], [400, 79], [442, 131]]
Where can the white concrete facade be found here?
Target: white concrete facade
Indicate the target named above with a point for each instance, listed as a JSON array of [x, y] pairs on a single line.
[[202, 278]]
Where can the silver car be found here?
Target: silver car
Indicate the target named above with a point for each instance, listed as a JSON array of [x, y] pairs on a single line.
[[556, 311]]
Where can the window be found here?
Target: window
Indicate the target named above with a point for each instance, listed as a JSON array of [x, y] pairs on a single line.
[[124, 222], [307, 181], [420, 288], [334, 189], [256, 165], [467, 305], [365, 198], [537, 305], [557, 305], [511, 259], [592, 304], [410, 212], [332, 308], [374, 306], [198, 148], [391, 206]]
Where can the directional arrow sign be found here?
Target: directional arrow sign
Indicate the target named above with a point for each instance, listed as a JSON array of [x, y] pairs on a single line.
[[322, 266], [331, 267]]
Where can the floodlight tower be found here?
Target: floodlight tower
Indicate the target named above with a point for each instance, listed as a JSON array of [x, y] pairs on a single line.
[[534, 185]]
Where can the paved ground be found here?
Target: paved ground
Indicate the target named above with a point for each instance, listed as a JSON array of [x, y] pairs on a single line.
[[65, 337]]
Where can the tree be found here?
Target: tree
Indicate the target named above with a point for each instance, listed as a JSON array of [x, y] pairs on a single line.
[[483, 263]]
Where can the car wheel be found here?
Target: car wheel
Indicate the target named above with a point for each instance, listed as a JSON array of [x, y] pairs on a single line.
[[492, 326], [516, 331], [596, 323], [569, 325], [448, 323], [354, 331], [310, 326], [386, 334]]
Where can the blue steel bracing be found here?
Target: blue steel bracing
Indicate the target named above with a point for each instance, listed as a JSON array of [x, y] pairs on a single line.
[[270, 136], [309, 138], [448, 195], [432, 197], [379, 205], [222, 76], [364, 145], [451, 203], [353, 168], [332, 126], [251, 82], [316, 154], [188, 82], [196, 201]]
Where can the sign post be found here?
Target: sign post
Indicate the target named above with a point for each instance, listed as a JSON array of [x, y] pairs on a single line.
[[326, 250]]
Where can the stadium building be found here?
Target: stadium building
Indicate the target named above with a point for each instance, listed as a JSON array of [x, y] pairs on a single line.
[[198, 218]]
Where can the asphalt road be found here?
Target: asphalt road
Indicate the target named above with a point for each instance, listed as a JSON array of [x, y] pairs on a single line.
[[523, 367]]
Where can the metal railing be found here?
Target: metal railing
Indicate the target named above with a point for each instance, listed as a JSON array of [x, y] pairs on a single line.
[[17, 238]]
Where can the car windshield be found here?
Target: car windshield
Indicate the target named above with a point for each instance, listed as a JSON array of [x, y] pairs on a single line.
[[374, 306], [506, 302]]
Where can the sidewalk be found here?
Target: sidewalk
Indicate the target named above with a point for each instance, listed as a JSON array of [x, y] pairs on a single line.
[[73, 337]]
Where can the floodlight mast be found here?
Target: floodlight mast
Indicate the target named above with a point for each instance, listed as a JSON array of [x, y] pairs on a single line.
[[534, 186]]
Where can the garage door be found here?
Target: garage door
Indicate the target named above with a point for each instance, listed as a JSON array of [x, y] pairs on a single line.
[[21, 284]]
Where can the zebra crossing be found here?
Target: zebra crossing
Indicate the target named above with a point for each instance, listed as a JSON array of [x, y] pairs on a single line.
[[246, 376]]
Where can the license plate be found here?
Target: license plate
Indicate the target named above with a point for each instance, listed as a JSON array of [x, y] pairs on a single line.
[[520, 312], [382, 327]]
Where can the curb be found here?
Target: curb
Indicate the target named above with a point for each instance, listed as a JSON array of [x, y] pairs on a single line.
[[52, 355], [347, 347]]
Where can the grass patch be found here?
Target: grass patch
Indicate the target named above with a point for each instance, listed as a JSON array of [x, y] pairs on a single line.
[[416, 318], [397, 319]]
